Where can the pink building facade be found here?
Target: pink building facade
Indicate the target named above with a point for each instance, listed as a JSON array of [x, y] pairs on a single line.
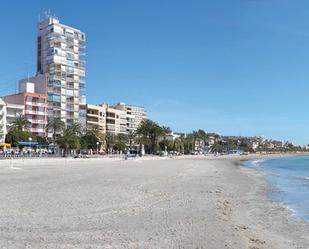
[[35, 108]]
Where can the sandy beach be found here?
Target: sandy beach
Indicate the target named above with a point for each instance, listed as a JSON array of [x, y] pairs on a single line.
[[169, 203]]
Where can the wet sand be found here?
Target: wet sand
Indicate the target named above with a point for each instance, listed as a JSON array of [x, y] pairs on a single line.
[[170, 203]]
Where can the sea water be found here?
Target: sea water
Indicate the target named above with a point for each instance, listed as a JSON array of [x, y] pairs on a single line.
[[289, 178]]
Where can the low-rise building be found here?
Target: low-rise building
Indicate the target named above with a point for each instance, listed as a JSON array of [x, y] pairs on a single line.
[[199, 145], [13, 111], [35, 107]]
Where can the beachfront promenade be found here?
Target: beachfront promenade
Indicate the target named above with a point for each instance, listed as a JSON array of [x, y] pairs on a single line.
[[184, 202]]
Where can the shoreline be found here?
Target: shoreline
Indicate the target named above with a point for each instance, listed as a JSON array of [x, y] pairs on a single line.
[[280, 219], [263, 175]]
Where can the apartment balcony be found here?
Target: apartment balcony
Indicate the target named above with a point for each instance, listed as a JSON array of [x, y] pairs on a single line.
[[12, 115], [92, 115], [70, 108], [92, 122], [53, 36], [54, 90], [37, 130], [53, 81], [37, 121], [69, 116], [111, 127], [70, 87], [35, 112], [81, 73], [39, 104]]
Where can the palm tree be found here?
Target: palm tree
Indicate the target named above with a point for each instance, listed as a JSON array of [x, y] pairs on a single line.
[[165, 131], [70, 138], [55, 126], [148, 133], [91, 137], [20, 123], [110, 140], [131, 137], [182, 143]]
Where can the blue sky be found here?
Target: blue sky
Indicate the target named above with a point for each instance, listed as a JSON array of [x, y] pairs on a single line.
[[236, 67]]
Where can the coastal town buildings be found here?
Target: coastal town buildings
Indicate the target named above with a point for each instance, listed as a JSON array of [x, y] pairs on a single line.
[[116, 119], [171, 137], [2, 121], [199, 145], [34, 108], [134, 115], [60, 56], [96, 117], [13, 111]]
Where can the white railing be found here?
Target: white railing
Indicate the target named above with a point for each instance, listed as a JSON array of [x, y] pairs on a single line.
[[35, 104], [34, 112], [37, 121]]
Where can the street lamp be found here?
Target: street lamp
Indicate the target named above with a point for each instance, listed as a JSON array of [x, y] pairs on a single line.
[[97, 149], [30, 139]]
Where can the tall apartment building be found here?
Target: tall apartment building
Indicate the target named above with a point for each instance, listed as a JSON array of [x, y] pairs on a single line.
[[134, 115], [60, 56], [96, 117], [2, 121], [34, 105]]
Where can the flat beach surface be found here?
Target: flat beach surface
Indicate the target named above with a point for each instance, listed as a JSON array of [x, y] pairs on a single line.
[[169, 203]]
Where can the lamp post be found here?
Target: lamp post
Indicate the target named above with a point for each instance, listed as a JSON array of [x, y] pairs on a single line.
[[97, 149], [30, 139]]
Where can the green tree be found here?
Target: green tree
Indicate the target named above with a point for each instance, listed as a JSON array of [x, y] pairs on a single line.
[[20, 123], [148, 133], [55, 126], [110, 140], [166, 144], [42, 140], [120, 146], [15, 135], [122, 138], [90, 139], [70, 138], [131, 138]]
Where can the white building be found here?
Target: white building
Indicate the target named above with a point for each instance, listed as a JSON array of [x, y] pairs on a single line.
[[60, 56], [3, 128], [96, 117], [116, 121], [13, 111], [134, 115]]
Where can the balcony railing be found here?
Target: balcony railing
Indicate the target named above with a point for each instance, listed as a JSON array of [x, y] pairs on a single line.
[[35, 112], [40, 104], [37, 121]]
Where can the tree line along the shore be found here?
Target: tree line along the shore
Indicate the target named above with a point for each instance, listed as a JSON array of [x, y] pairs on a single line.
[[150, 136]]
